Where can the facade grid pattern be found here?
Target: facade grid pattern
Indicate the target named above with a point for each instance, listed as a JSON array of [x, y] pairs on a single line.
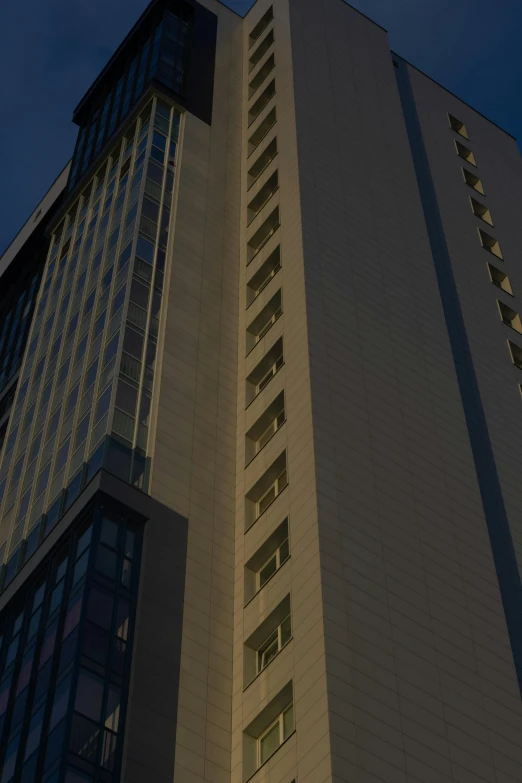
[[89, 367]]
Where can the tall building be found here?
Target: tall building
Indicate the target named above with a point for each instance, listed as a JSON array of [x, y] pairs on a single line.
[[261, 420]]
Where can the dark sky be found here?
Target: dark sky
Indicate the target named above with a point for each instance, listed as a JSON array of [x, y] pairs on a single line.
[[53, 49]]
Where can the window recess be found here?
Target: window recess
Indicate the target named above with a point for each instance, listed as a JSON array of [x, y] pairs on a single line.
[[490, 243], [265, 427], [258, 328], [264, 275], [264, 371], [261, 50], [265, 97], [266, 490], [473, 181], [481, 211], [262, 646], [268, 731], [516, 354], [263, 195], [465, 153], [259, 134], [267, 560], [500, 279], [263, 234], [509, 317], [264, 160], [457, 126], [261, 75], [261, 26]]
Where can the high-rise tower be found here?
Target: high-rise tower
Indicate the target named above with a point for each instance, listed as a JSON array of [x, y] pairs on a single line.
[[260, 420]]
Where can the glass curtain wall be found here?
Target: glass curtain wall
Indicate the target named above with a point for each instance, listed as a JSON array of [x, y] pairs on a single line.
[[65, 649], [85, 390], [161, 55]]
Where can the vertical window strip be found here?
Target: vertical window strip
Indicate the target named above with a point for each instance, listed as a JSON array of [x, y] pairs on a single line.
[[103, 123], [143, 68], [59, 243], [116, 105], [129, 87], [67, 231], [21, 521], [78, 154]]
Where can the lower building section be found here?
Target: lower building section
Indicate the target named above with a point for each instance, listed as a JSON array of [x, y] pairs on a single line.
[[68, 636]]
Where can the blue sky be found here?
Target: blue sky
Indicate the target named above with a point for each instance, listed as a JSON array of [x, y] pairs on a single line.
[[52, 51]]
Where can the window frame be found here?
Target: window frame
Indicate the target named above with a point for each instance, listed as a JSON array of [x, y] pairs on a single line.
[[275, 636], [280, 722]]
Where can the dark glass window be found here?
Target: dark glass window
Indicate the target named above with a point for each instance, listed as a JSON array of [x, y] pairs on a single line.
[[64, 662]]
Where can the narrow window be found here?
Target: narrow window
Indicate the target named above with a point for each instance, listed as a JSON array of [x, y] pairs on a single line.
[[264, 275], [264, 371], [267, 560], [261, 75], [261, 50], [510, 317], [259, 134], [457, 126], [266, 490], [264, 160], [516, 354], [270, 421], [465, 153], [500, 279], [473, 181], [490, 243], [273, 564], [263, 195], [259, 327], [481, 211], [269, 638], [263, 234], [260, 26], [274, 643], [276, 734], [269, 729], [265, 97]]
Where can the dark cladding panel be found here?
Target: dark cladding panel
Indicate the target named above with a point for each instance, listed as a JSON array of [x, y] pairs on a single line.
[[199, 78]]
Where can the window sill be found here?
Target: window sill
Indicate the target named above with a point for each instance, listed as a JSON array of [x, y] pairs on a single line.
[[264, 387], [503, 290], [475, 189], [250, 461], [256, 520], [268, 664], [505, 324], [491, 225], [268, 580]]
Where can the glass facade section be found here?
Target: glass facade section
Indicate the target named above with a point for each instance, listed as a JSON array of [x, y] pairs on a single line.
[[159, 53], [86, 386], [65, 650], [17, 299]]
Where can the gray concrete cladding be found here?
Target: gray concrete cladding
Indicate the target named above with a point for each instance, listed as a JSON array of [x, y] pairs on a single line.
[[399, 663]]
